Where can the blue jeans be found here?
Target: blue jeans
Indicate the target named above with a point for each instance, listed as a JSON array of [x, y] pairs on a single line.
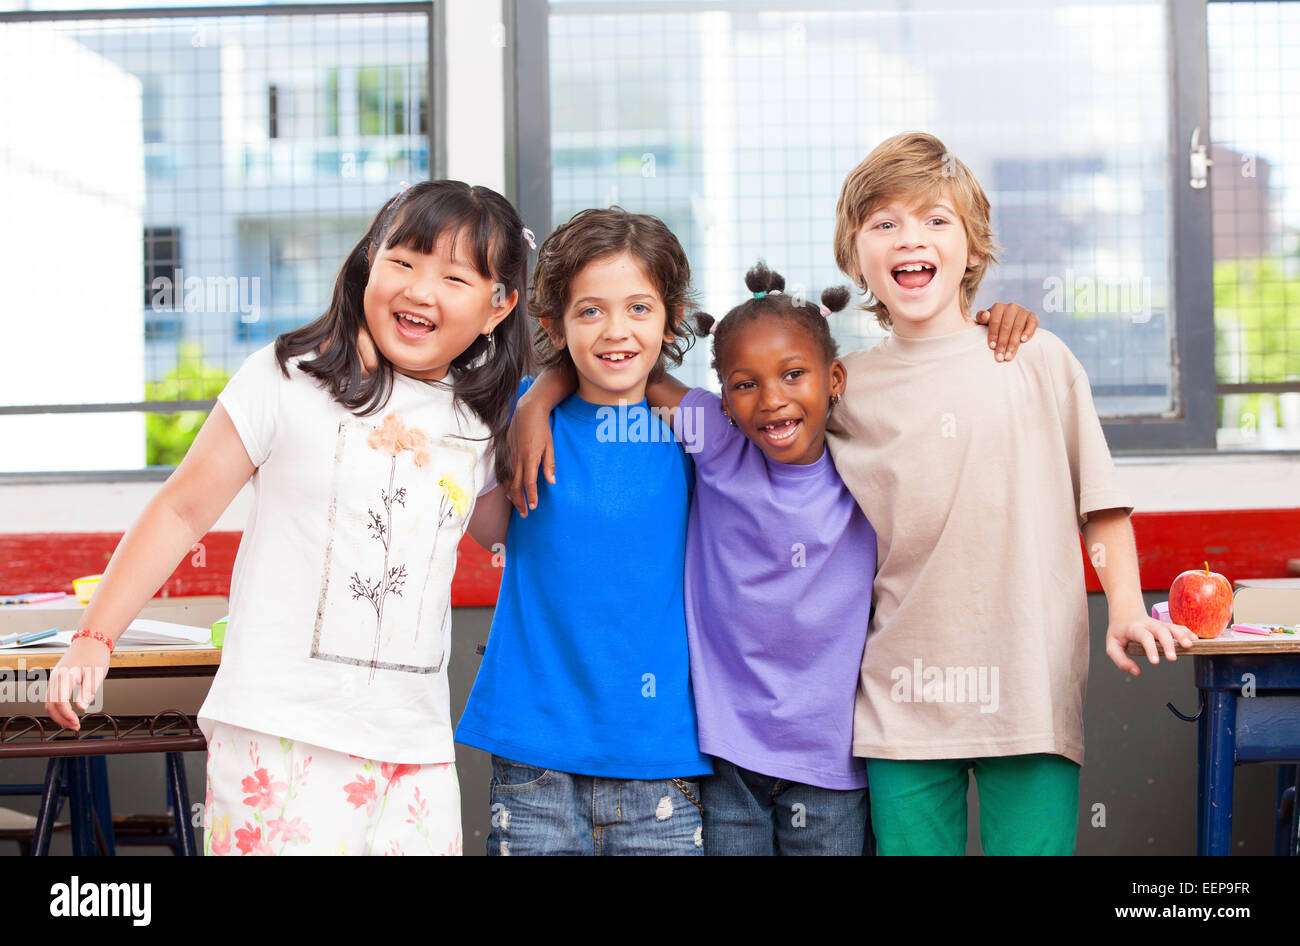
[[748, 814], [541, 811]]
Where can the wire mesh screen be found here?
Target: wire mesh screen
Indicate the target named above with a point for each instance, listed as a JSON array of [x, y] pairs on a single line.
[[737, 125], [1255, 186], [180, 190]]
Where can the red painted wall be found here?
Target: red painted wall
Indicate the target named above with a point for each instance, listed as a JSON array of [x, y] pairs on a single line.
[[50, 561], [1248, 543]]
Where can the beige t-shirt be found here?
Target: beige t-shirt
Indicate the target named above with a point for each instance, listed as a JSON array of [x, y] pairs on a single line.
[[977, 476]]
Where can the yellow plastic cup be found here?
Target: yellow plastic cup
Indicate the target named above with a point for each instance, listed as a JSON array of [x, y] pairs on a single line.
[[85, 587]]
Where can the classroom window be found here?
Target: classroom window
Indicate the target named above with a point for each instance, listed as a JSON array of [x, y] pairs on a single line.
[[249, 148], [1255, 123], [738, 125]]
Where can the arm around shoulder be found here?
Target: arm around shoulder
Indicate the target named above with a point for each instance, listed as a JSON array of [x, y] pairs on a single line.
[[665, 396], [529, 436], [490, 521]]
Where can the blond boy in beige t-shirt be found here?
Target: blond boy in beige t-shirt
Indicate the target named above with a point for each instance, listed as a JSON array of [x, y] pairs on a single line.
[[977, 477]]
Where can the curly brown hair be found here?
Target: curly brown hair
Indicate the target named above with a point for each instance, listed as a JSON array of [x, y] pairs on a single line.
[[592, 235]]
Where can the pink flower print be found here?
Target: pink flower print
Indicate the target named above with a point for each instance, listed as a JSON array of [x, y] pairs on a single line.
[[249, 841], [221, 836], [291, 832], [419, 811], [394, 850], [394, 773], [262, 792], [394, 436], [362, 792]]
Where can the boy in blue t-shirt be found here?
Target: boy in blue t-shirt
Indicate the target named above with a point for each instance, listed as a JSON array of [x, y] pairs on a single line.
[[584, 697]]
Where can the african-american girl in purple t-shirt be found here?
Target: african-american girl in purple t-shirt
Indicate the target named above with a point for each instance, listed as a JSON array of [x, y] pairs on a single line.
[[779, 562]]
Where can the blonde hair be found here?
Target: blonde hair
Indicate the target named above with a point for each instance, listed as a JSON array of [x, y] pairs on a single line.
[[917, 168]]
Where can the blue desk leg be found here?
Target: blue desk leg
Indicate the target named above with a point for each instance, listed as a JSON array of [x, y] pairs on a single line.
[[1285, 843], [1216, 755], [102, 804], [49, 810], [179, 796], [81, 807]]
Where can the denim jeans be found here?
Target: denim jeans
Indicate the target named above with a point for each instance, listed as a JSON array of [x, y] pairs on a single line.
[[748, 814], [542, 811]]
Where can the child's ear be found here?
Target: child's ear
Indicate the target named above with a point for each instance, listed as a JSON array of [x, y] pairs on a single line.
[[972, 261], [554, 332], [839, 378], [672, 323], [502, 306]]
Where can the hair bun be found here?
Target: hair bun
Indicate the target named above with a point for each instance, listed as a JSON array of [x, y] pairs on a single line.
[[761, 279], [835, 298], [704, 324]]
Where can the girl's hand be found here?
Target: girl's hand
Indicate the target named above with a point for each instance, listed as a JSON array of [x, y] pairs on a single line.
[[1145, 631], [1009, 325], [531, 444], [83, 667]]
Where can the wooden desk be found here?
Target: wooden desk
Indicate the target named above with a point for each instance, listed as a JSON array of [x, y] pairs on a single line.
[[126, 663], [136, 726]]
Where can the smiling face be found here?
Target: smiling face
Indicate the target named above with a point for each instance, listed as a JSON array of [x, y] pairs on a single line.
[[424, 309], [614, 327], [777, 387], [913, 259]]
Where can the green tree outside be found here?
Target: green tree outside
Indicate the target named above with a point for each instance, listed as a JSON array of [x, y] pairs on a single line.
[[168, 436], [1257, 326]]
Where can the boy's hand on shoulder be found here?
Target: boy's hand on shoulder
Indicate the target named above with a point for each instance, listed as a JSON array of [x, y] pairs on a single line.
[[1153, 635], [1009, 325], [531, 446]]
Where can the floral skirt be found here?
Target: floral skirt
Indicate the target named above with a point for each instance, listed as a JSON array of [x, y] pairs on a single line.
[[268, 795]]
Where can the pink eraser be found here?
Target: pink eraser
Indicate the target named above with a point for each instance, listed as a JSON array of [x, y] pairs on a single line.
[[1160, 612], [1252, 629]]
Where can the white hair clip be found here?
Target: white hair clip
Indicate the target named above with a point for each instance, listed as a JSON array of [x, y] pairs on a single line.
[[401, 186], [713, 329], [530, 238], [825, 311]]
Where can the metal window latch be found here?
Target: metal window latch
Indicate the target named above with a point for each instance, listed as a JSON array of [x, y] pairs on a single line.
[[1199, 161]]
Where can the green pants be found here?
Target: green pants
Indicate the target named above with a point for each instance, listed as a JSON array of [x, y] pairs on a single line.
[[1029, 804]]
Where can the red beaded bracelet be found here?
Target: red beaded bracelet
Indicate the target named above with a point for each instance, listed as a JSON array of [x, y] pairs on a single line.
[[102, 638]]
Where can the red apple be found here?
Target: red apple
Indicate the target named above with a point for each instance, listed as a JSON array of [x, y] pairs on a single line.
[[1201, 601]]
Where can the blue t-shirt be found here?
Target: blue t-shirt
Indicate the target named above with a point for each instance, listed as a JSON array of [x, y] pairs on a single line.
[[586, 668]]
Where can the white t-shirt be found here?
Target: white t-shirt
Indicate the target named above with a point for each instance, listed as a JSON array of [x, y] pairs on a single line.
[[340, 602]]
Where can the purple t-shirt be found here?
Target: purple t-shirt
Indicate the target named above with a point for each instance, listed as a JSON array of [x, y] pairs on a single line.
[[779, 563]]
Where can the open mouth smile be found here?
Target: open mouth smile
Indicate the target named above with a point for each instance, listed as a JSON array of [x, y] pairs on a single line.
[[914, 276], [779, 433], [412, 326], [617, 359]]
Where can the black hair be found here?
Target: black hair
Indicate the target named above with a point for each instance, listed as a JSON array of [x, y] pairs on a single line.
[[769, 300], [486, 375]]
